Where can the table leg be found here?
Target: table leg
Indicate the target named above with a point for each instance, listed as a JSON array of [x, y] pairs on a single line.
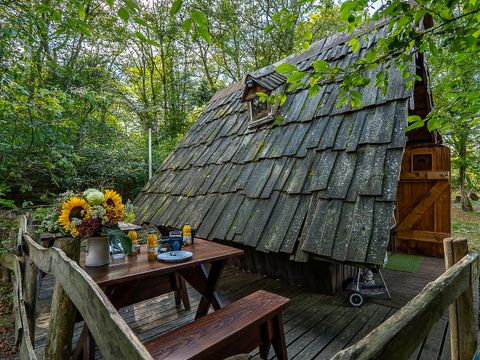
[[205, 283]]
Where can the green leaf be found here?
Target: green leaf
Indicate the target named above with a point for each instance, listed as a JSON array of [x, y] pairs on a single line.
[[261, 96], [205, 34], [132, 5], [321, 65], [354, 44], [114, 234], [295, 86], [176, 6], [433, 124], [124, 14], [187, 25], [414, 118], [83, 27], [268, 29], [446, 13], [285, 68], [200, 18], [140, 21], [140, 36], [313, 90], [413, 126], [295, 76], [346, 8]]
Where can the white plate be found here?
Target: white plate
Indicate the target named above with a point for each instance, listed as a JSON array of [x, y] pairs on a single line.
[[174, 256]]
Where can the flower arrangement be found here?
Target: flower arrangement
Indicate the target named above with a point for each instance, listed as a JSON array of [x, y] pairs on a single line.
[[90, 213]]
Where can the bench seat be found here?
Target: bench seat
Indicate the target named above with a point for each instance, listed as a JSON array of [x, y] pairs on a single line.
[[251, 322]]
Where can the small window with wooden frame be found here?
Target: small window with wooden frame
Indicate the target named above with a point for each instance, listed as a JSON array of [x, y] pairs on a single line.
[[260, 110], [422, 162]]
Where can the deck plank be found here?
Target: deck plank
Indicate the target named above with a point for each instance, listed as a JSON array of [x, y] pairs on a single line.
[[316, 326]]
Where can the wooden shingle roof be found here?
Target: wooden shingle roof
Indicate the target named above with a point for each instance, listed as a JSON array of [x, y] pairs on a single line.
[[321, 181]]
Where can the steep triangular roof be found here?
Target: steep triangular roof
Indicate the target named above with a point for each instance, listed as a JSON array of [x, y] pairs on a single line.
[[321, 181]]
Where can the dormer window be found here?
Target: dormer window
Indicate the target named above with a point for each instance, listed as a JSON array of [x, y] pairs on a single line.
[[262, 112]]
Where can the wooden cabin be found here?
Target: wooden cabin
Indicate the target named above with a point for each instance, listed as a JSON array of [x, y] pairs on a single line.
[[308, 188]]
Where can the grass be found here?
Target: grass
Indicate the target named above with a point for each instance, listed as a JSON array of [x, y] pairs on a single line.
[[466, 225], [403, 262]]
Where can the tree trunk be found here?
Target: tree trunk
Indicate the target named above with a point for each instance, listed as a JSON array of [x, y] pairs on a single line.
[[63, 312], [462, 152]]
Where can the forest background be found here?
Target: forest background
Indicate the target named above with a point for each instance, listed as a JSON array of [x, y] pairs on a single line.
[[82, 81]]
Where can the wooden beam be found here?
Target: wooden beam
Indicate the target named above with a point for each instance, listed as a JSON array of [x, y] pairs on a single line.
[[425, 202], [463, 334], [63, 312], [112, 335], [425, 236], [401, 334]]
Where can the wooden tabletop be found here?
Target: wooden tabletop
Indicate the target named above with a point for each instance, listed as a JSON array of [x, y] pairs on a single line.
[[136, 267]]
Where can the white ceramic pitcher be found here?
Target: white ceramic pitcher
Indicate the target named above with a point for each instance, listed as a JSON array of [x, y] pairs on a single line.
[[98, 251]]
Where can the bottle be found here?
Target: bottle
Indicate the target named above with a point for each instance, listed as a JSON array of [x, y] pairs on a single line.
[[152, 245], [187, 234], [133, 236]]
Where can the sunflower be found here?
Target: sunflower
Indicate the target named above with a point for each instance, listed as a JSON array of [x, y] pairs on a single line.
[[113, 205], [73, 208]]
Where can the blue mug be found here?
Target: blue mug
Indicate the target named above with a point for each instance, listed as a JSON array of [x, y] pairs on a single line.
[[176, 243]]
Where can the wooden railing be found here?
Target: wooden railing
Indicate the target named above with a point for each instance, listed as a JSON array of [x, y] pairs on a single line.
[[114, 338], [403, 333]]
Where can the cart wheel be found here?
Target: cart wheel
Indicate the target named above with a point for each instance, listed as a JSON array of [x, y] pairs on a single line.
[[355, 299]]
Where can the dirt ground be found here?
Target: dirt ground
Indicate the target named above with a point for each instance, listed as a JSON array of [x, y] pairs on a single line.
[[7, 336]]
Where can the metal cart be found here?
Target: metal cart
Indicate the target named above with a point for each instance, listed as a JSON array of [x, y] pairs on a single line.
[[363, 285]]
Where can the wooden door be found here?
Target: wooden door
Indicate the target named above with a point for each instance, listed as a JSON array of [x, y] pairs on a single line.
[[423, 200]]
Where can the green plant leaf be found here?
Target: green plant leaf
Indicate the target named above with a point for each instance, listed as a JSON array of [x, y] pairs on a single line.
[[414, 118], [200, 18], [187, 25], [114, 234], [354, 43], [176, 6], [433, 124], [285, 68], [204, 34], [140, 21], [321, 65], [295, 76], [124, 14]]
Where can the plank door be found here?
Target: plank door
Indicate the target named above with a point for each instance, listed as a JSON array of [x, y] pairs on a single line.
[[423, 200]]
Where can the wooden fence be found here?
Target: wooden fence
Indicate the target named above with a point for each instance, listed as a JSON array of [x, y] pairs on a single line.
[[114, 338], [401, 334], [397, 338]]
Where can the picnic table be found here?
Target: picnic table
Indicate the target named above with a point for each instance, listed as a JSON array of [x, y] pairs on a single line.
[[134, 278]]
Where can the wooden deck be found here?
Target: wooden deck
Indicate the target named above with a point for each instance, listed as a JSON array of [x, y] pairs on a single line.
[[316, 326]]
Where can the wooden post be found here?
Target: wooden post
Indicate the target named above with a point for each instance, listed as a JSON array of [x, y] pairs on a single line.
[[63, 312], [463, 334]]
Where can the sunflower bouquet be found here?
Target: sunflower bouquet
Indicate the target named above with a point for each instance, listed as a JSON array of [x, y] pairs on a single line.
[[90, 213], [87, 213]]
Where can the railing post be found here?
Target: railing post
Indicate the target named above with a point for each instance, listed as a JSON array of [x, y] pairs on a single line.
[[461, 313], [63, 312]]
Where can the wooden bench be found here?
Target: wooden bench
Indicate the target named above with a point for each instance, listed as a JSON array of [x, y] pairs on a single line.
[[251, 322]]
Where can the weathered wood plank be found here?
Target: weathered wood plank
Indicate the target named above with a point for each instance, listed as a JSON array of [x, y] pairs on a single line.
[[113, 336], [63, 312], [463, 332], [393, 339]]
